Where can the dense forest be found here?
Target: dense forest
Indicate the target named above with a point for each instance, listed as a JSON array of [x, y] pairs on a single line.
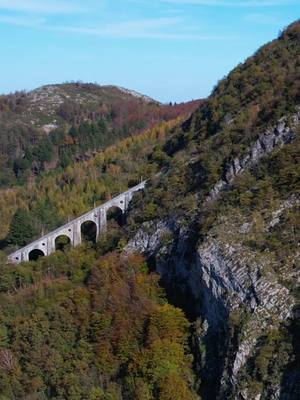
[[85, 326], [42, 204], [93, 322], [53, 126]]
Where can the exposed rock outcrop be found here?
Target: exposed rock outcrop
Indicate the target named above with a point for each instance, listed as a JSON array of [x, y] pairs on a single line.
[[284, 132], [221, 277], [214, 279]]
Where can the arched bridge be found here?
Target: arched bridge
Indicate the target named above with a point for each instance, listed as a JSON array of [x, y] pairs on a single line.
[[73, 229]]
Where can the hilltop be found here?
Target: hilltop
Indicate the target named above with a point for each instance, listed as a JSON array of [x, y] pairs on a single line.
[[55, 125], [48, 107]]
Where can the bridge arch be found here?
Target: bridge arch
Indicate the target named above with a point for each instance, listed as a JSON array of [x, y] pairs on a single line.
[[35, 254], [62, 242], [89, 231], [115, 213]]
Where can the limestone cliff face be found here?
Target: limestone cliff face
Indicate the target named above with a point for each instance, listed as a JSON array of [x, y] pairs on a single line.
[[215, 279], [219, 279]]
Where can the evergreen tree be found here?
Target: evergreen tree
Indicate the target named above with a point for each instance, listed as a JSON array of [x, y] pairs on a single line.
[[74, 132], [22, 229]]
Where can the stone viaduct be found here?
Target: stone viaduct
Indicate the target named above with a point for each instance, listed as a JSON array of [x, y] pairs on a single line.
[[73, 229]]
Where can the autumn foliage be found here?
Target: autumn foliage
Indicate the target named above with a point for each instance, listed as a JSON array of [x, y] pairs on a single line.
[[75, 326]]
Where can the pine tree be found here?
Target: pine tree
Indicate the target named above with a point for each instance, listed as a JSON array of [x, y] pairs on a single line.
[[22, 229]]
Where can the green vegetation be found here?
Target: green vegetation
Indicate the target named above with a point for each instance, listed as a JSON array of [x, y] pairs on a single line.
[[79, 325], [85, 184], [257, 194], [21, 228], [251, 99], [194, 158], [274, 355]]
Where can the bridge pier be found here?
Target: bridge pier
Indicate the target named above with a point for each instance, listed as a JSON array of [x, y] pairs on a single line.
[[25, 256], [102, 220], [76, 234], [51, 245]]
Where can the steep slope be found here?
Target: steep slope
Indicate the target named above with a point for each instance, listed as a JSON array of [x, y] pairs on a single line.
[[57, 124], [221, 226], [83, 185]]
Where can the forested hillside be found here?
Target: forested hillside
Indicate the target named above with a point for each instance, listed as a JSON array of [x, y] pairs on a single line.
[[120, 338], [224, 227], [56, 125], [41, 206], [219, 222], [82, 327]]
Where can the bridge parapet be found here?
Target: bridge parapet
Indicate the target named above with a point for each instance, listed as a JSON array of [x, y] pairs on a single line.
[[46, 244]]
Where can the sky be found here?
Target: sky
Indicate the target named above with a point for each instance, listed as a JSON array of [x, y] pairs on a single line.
[[171, 50]]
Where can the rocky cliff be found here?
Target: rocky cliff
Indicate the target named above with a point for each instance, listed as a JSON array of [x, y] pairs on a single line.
[[236, 296], [217, 281]]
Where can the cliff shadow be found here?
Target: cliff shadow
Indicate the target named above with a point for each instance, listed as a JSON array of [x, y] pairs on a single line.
[[290, 382], [181, 277]]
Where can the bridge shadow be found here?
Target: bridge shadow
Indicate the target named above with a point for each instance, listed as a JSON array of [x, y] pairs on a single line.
[[175, 274], [290, 382], [116, 214], [34, 255], [89, 232], [62, 243], [3, 244]]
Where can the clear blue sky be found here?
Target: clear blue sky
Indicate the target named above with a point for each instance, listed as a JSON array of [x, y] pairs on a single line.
[[172, 50]]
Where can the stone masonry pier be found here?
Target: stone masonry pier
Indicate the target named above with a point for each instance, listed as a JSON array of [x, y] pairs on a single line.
[[73, 229]]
